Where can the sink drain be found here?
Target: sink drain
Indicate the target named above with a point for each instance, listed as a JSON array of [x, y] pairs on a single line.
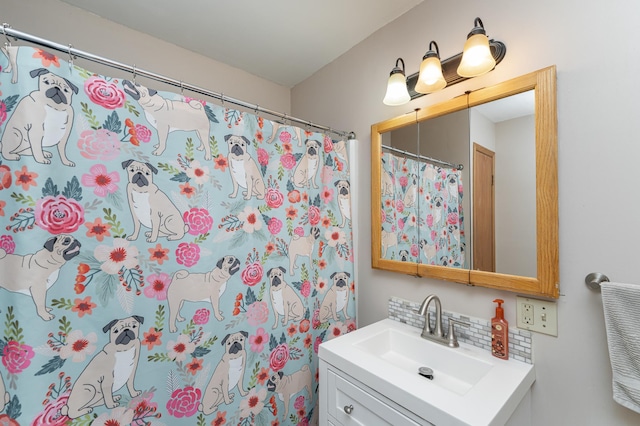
[[426, 372]]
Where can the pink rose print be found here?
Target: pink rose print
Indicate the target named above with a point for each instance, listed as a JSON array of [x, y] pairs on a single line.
[[316, 344], [400, 224], [430, 220], [199, 221], [59, 214], [434, 235], [16, 356], [187, 254], [143, 133], [285, 137], [201, 317], [3, 112], [315, 320], [299, 231], [299, 403], [288, 161], [51, 415], [103, 93], [305, 289], [257, 313], [7, 243], [326, 175], [314, 215], [184, 402], [328, 145], [399, 206], [274, 198], [279, 357], [404, 181], [452, 218], [252, 274], [414, 250], [275, 225], [263, 157], [99, 144]]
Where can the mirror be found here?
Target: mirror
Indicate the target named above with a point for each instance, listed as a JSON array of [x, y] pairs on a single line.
[[493, 250]]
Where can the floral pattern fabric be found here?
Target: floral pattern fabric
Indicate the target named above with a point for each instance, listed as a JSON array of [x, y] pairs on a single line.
[[163, 260], [422, 217]]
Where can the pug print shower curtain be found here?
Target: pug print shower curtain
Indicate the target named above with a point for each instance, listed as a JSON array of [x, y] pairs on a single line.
[[163, 260], [422, 218]]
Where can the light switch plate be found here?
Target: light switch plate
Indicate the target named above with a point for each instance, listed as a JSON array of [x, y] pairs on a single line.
[[537, 315]]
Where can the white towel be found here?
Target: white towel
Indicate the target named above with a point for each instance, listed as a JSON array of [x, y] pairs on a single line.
[[622, 319]]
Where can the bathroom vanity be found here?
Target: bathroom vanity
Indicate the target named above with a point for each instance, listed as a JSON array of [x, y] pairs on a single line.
[[370, 377]]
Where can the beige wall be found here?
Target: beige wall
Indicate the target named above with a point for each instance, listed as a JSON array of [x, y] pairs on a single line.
[[594, 46], [65, 24]]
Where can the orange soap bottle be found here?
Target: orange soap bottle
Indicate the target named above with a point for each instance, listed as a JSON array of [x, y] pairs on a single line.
[[499, 333]]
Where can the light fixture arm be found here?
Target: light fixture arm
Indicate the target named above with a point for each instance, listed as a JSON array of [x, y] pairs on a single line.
[[478, 28]]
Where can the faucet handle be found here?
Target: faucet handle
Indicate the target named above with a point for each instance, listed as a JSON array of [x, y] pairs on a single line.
[[453, 339]]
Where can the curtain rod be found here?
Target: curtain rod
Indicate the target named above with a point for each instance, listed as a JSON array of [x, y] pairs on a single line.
[[73, 52], [422, 157]]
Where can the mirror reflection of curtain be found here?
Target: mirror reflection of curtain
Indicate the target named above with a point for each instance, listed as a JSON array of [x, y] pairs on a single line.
[[422, 218], [442, 240], [399, 210]]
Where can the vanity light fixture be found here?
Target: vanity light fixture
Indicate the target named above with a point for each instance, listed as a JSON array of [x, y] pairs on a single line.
[[430, 78], [454, 69], [476, 55], [397, 93]]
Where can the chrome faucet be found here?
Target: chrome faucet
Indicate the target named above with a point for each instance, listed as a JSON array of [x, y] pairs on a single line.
[[436, 334]]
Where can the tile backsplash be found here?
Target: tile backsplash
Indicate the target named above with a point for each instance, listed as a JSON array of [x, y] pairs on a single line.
[[479, 334]]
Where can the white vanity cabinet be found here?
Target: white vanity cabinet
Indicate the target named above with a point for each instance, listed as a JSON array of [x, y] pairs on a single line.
[[344, 401]]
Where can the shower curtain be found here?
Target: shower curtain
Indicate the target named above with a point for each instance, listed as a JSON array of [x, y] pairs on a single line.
[[422, 218], [163, 260]]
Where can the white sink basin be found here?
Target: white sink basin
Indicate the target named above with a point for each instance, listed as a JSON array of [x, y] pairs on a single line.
[[453, 370], [469, 386]]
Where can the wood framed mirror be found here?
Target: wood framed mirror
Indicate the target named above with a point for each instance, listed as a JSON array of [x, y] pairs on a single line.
[[540, 276]]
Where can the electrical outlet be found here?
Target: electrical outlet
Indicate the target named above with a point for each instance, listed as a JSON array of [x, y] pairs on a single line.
[[537, 315]]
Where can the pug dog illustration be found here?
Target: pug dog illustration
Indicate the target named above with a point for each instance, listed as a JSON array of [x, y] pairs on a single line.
[[344, 200], [454, 233], [430, 250], [284, 299], [276, 130], [336, 299], [108, 371], [167, 116], [404, 255], [452, 187], [244, 169], [150, 206], [288, 385], [41, 119], [411, 195], [11, 52], [304, 175], [301, 246], [388, 239], [228, 374], [387, 183], [197, 287], [33, 274], [4, 395], [438, 210], [340, 148]]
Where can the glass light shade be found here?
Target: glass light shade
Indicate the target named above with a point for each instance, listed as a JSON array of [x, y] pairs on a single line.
[[430, 79], [397, 92], [476, 57]]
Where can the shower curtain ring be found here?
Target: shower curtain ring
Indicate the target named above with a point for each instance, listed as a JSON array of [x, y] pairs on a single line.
[[257, 110], [222, 99], [70, 57], [134, 74], [4, 31], [181, 88]]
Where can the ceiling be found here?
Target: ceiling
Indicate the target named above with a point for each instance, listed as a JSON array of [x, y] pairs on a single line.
[[284, 41]]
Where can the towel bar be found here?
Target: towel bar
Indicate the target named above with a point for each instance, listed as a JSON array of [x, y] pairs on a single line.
[[594, 279]]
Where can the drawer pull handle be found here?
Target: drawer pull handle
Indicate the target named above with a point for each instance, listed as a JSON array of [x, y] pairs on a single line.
[[348, 409]]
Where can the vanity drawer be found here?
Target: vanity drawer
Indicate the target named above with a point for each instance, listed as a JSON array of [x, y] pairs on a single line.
[[351, 405]]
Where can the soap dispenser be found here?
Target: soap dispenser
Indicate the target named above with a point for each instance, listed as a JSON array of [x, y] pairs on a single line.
[[499, 333]]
